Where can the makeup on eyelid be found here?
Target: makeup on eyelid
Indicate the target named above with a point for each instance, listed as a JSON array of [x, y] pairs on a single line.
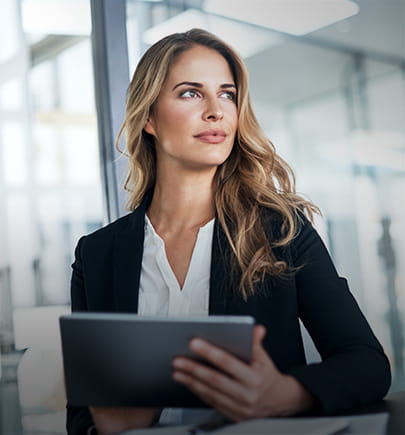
[[199, 93]]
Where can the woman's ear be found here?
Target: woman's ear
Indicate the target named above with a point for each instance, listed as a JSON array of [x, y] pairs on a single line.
[[149, 126]]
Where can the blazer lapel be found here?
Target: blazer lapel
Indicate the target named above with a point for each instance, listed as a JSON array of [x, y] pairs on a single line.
[[128, 252], [224, 296], [220, 291]]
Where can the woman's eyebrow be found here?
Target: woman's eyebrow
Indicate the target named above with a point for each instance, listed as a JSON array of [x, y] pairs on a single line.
[[200, 85]]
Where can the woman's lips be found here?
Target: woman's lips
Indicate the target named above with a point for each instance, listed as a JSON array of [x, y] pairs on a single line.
[[211, 136]]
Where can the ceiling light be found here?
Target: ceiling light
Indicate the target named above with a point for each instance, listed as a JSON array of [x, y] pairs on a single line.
[[62, 17], [296, 17], [246, 39]]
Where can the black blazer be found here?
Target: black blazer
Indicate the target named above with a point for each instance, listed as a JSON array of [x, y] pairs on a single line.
[[354, 370]]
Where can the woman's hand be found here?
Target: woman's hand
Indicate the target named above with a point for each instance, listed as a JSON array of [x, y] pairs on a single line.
[[238, 390], [114, 420]]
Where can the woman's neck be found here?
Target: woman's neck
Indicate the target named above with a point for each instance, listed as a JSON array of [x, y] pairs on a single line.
[[180, 203]]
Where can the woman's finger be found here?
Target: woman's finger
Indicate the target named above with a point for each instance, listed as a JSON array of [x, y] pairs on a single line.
[[259, 332], [260, 358], [221, 359], [246, 374], [215, 398], [214, 379], [258, 352]]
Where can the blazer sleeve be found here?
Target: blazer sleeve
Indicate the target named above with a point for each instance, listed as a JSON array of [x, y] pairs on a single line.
[[78, 419], [354, 370]]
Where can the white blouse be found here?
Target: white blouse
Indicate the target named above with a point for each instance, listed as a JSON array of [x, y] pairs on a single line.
[[160, 294], [159, 290]]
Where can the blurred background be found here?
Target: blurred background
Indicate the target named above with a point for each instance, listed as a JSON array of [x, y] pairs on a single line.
[[328, 86]]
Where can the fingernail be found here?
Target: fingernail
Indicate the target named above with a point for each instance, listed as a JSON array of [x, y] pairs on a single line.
[[196, 344], [177, 376], [178, 363]]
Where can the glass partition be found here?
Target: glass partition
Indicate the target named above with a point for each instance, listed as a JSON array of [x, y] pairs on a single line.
[[50, 192]]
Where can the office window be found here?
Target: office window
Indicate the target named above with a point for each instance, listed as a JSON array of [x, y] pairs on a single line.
[[50, 189]]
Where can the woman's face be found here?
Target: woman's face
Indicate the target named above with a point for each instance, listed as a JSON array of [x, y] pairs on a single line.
[[194, 119]]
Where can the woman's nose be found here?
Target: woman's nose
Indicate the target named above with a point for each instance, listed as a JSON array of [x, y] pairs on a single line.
[[213, 110]]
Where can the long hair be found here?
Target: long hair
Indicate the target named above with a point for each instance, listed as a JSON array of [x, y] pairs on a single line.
[[254, 175]]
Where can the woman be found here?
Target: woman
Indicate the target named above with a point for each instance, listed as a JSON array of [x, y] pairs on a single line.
[[217, 228]]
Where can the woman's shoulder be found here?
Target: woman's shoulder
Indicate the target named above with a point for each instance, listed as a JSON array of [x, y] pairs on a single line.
[[122, 225], [275, 222]]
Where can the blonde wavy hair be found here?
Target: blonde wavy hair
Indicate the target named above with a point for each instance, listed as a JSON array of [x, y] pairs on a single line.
[[254, 175]]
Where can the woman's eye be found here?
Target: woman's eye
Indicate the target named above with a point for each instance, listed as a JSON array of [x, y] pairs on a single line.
[[189, 94], [229, 95]]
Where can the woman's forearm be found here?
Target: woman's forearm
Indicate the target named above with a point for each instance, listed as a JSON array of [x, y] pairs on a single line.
[[112, 420], [294, 397]]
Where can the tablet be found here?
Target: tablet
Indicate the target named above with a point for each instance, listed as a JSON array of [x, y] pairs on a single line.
[[126, 359]]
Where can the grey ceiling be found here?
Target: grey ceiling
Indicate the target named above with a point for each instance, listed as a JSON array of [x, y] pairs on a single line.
[[305, 67]]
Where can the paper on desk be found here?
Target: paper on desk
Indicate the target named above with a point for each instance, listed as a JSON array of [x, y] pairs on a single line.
[[285, 426], [368, 424], [166, 430]]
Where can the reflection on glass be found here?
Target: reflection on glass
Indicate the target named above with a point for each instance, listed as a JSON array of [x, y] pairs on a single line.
[[76, 94], [22, 248], [11, 95], [8, 30], [50, 193], [14, 164], [47, 163], [42, 86]]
